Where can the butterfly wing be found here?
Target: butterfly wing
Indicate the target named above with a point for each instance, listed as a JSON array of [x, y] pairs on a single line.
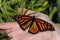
[[33, 27], [24, 21], [43, 25]]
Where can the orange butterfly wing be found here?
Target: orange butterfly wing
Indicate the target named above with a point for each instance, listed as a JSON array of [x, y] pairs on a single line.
[[33, 28], [24, 21], [43, 25]]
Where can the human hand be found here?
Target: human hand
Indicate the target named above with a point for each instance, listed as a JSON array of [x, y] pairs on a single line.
[[15, 33]]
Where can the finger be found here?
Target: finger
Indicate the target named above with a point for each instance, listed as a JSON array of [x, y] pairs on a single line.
[[9, 31], [8, 25], [12, 34], [5, 25], [14, 31], [26, 11]]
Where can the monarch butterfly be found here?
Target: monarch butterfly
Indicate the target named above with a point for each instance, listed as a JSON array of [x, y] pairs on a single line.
[[34, 24]]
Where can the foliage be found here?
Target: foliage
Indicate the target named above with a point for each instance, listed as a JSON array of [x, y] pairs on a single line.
[[3, 36], [58, 4], [6, 10]]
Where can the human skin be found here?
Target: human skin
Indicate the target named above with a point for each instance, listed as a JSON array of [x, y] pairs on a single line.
[[14, 31]]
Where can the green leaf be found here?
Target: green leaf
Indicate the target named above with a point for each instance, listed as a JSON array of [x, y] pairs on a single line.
[[1, 17], [58, 4], [52, 13]]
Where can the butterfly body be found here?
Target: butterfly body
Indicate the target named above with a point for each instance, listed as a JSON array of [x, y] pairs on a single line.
[[34, 24]]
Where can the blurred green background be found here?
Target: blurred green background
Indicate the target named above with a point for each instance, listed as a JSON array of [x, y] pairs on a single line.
[[50, 7]]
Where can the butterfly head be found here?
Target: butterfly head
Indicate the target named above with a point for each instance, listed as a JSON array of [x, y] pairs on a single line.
[[33, 17]]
